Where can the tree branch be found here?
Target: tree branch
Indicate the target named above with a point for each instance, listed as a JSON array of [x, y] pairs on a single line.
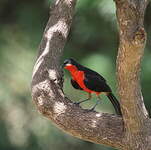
[[96, 127], [47, 86], [92, 126], [130, 14]]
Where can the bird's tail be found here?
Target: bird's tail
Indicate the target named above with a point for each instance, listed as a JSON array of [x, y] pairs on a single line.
[[115, 103]]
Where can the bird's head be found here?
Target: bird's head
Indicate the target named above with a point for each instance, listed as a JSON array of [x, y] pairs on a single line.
[[70, 64]]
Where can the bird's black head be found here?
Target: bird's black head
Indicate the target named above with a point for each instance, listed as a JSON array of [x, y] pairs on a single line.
[[69, 61]]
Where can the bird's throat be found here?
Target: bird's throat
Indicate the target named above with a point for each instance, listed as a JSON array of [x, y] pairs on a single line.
[[71, 68], [79, 77]]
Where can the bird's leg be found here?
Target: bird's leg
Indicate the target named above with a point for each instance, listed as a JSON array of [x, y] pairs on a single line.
[[89, 97], [97, 102], [99, 98]]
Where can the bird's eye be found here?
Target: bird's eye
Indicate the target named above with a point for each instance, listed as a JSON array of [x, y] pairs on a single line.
[[65, 62]]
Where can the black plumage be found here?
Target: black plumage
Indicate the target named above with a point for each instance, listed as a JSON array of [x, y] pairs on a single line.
[[75, 85], [94, 82]]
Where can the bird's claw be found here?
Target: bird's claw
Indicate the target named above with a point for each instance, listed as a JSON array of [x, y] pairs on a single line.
[[89, 110], [92, 109], [76, 103]]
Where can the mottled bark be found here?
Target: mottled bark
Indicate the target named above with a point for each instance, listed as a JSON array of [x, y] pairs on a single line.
[[101, 128], [130, 15]]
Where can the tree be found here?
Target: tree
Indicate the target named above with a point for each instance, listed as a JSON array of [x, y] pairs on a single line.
[[131, 131]]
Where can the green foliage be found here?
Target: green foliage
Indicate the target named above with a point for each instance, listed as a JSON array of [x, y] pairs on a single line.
[[93, 41]]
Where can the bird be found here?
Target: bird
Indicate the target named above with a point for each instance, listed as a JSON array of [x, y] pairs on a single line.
[[85, 79]]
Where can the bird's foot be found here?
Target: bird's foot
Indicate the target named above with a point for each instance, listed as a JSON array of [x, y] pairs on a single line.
[[92, 109], [89, 110], [76, 103]]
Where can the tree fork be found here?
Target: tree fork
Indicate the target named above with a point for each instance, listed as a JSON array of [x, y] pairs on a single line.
[[100, 128]]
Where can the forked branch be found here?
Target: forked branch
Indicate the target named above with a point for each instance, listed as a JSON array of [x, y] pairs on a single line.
[[47, 81]]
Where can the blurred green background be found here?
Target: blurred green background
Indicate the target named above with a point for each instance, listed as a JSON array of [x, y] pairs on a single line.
[[93, 41]]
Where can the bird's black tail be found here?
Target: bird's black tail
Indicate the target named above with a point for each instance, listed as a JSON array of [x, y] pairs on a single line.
[[115, 103]]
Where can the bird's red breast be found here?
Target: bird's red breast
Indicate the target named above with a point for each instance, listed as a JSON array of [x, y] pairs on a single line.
[[79, 77]]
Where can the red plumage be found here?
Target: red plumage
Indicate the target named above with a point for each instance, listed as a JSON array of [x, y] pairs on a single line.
[[90, 81]]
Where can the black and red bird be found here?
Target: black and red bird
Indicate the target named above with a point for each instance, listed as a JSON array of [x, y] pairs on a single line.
[[90, 81]]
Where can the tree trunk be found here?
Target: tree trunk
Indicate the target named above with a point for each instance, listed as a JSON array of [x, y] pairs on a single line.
[[133, 131], [130, 15]]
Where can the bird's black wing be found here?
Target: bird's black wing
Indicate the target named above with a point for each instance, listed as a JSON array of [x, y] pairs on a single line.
[[90, 72], [75, 85], [95, 83]]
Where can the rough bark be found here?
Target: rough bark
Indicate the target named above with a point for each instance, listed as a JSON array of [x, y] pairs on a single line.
[[101, 128], [130, 15]]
